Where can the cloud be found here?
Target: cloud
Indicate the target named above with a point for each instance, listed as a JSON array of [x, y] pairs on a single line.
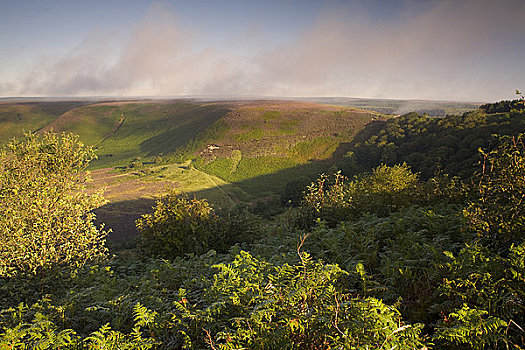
[[441, 52], [463, 50]]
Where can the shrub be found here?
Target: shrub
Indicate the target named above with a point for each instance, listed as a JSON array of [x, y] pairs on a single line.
[[46, 219], [181, 225], [498, 213], [334, 199], [178, 225], [232, 226]]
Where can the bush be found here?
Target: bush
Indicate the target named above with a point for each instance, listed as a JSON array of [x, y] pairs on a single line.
[[181, 225], [46, 219], [498, 214], [334, 199]]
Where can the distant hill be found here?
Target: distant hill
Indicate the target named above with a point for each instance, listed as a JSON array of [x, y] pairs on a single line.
[[15, 117], [399, 107], [261, 138], [234, 141]]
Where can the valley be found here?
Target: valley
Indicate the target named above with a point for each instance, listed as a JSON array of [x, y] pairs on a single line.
[[254, 217]]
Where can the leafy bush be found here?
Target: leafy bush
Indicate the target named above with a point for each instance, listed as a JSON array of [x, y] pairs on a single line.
[[180, 225], [334, 199], [498, 213], [46, 219]]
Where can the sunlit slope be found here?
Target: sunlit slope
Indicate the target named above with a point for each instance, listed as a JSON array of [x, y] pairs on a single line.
[[261, 138], [92, 123], [271, 141], [17, 117], [127, 132]]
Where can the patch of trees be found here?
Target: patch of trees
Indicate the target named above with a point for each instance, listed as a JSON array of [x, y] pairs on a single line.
[[505, 106], [431, 145]]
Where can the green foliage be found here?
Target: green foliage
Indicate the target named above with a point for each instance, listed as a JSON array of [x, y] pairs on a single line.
[[41, 333], [253, 304], [235, 301], [46, 219], [504, 106], [498, 214], [485, 281], [470, 327], [485, 298], [430, 145], [335, 199], [180, 225], [401, 254]]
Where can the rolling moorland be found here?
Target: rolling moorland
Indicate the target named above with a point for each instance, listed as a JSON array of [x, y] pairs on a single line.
[[412, 239]]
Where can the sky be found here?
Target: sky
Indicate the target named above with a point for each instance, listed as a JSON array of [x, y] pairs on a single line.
[[460, 50]]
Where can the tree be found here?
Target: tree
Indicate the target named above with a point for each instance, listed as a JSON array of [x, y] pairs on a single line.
[[46, 218]]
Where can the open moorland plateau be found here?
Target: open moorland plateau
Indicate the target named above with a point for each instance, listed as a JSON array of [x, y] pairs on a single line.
[[319, 223]]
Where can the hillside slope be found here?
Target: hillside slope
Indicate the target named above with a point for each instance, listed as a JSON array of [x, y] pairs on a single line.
[[257, 139], [29, 116], [235, 141], [429, 145]]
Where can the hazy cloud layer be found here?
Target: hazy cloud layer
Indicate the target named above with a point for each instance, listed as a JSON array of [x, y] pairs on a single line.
[[455, 49]]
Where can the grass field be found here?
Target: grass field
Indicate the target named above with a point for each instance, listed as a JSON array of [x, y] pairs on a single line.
[[132, 193]]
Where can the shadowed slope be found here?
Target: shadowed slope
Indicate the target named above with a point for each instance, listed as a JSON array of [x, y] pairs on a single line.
[[29, 116]]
